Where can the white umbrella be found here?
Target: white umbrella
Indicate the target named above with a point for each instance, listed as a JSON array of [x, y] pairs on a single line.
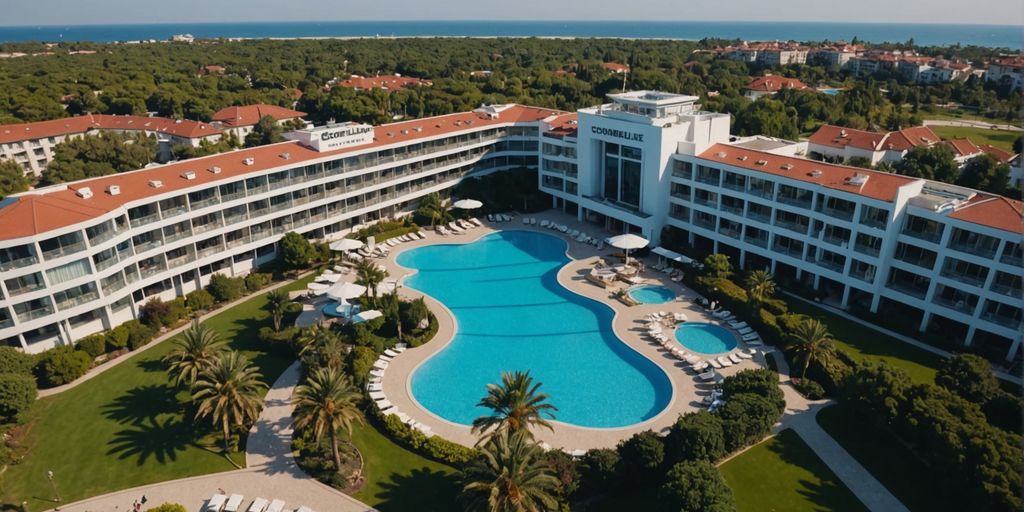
[[318, 287], [345, 290], [346, 244], [328, 278], [467, 204], [626, 242], [367, 316]]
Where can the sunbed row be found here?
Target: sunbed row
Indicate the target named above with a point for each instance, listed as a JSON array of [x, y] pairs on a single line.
[[499, 217], [675, 274], [575, 234], [375, 389], [456, 227], [224, 503], [696, 362]]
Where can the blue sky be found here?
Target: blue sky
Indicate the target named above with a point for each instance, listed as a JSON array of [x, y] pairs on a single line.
[[67, 12]]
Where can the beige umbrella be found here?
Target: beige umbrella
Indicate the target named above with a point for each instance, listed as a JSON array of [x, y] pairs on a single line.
[[345, 290], [626, 242]]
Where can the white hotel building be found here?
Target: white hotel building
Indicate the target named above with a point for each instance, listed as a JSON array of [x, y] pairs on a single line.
[[81, 258]]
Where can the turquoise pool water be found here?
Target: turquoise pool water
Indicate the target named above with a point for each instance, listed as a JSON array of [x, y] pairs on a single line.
[[332, 309], [831, 92], [705, 338], [651, 294], [513, 315]]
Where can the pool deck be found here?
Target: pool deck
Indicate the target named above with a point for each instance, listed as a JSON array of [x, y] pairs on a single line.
[[628, 325]]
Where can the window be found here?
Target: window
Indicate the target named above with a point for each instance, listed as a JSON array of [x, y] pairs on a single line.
[[974, 243], [791, 221], [24, 284], [551, 182], [142, 215], [915, 255], [735, 181], [761, 188], [863, 271], [908, 282], [622, 174], [682, 170], [838, 208], [67, 272], [76, 296], [100, 233], [965, 272], [17, 257], [789, 194], [173, 206], [874, 217], [925, 229], [867, 244], [62, 245], [955, 299], [33, 309]]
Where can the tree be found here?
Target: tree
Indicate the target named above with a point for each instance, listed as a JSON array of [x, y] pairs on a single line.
[[196, 349], [391, 308], [695, 436], [696, 485], [746, 419], [12, 178], [62, 365], [877, 392], [761, 381], [224, 288], [266, 131], [934, 162], [641, 457], [760, 286], [90, 156], [278, 304], [296, 251], [17, 394], [511, 475], [321, 346], [597, 470], [970, 376], [811, 343], [327, 402], [369, 274], [768, 117], [229, 392], [985, 172], [414, 313], [516, 404], [717, 265]]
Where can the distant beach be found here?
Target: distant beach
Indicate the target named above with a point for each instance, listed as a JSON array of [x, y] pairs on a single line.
[[1001, 36]]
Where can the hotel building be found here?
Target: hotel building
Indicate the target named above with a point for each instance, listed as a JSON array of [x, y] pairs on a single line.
[[83, 257]]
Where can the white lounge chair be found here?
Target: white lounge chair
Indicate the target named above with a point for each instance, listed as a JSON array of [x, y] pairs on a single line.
[[377, 373], [215, 503], [706, 376], [744, 355], [390, 353], [276, 506], [304, 509], [745, 331], [750, 336], [735, 359], [377, 395], [475, 221], [737, 325], [715, 363], [724, 361], [375, 387], [545, 223], [389, 411], [533, 221], [721, 313], [692, 359], [700, 366], [258, 505], [380, 365], [234, 502]]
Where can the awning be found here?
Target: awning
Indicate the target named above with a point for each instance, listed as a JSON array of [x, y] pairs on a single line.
[[671, 255], [366, 316]]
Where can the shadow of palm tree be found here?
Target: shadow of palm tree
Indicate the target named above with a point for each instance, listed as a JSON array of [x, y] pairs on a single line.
[[152, 365], [422, 489], [153, 439], [143, 403]]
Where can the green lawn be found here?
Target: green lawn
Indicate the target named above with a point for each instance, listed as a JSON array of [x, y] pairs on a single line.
[[398, 479], [864, 343], [960, 115], [999, 138], [128, 427], [888, 460], [783, 474]]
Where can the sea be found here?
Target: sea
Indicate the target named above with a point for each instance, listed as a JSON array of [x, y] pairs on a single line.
[[996, 36]]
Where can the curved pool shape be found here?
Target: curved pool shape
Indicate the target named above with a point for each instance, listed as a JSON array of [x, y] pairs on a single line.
[[332, 309], [512, 314], [652, 294], [705, 338]]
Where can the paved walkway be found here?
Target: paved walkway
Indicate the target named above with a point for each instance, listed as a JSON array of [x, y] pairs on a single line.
[[972, 124], [800, 416], [271, 473]]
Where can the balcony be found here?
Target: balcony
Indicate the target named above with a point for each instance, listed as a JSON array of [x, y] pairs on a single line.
[[866, 249], [731, 185], [760, 241], [759, 217], [729, 232], [142, 221], [28, 316], [835, 240], [63, 251], [836, 213], [179, 235], [147, 246], [235, 242], [18, 263], [908, 289], [105, 263], [972, 280], [98, 238], [704, 223], [960, 305], [1008, 290], [928, 236], [832, 265], [735, 210], [180, 260], [232, 196], [235, 218], [794, 201], [209, 226], [982, 252], [706, 201], [78, 300], [152, 270], [796, 227], [1008, 258], [866, 274], [792, 252], [203, 203], [1006, 321], [173, 211]]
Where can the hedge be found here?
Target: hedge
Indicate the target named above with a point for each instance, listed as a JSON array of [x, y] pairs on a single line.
[[62, 365], [95, 345], [434, 447]]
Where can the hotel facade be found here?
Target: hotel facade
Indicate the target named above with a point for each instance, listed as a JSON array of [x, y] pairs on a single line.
[[84, 257]]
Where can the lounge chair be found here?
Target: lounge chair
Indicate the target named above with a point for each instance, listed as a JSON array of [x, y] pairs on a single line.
[[692, 359], [724, 361], [258, 505], [721, 313], [750, 336], [755, 343], [700, 366], [376, 395], [735, 359], [389, 411], [745, 331], [215, 503], [707, 376], [234, 502], [390, 353], [600, 245], [533, 221], [744, 355], [304, 509], [737, 325], [375, 387], [545, 223], [715, 363], [490, 217], [526, 221], [377, 373], [276, 506]]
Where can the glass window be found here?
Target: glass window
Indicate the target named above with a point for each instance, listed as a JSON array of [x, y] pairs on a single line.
[[62, 245], [630, 183], [68, 271], [33, 309], [24, 284], [17, 257]]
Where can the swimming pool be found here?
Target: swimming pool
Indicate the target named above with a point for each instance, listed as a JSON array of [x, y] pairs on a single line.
[[705, 338], [336, 309], [512, 314], [831, 92], [652, 294]]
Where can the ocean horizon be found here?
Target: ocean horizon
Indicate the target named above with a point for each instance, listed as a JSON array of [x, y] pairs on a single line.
[[994, 36]]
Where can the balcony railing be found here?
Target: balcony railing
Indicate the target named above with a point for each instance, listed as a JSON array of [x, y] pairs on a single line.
[[796, 227], [740, 187], [173, 211], [18, 263], [909, 289], [729, 232], [1003, 320], [846, 215], [63, 251], [954, 304], [28, 316], [861, 275], [1008, 290], [928, 236], [142, 221], [802, 203], [755, 240], [1010, 259], [766, 193], [152, 270], [789, 251], [866, 249], [174, 237], [982, 252], [78, 300], [735, 210]]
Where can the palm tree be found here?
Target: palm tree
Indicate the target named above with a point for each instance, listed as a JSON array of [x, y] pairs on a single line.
[[195, 350], [812, 342], [760, 286], [229, 392], [277, 304], [391, 308], [322, 343], [511, 475], [516, 403], [327, 403], [368, 274], [440, 214]]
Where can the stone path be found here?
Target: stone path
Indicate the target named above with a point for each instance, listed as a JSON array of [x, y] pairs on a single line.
[[271, 473]]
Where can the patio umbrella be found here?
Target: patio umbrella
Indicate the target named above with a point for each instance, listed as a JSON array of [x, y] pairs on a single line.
[[318, 288], [626, 242], [328, 278], [467, 204], [366, 316], [346, 244], [345, 290]]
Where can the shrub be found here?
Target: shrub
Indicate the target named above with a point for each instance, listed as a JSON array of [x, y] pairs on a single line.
[[360, 362], [224, 288], [138, 334], [718, 266], [426, 336], [695, 436], [13, 360], [775, 306], [155, 312], [17, 394], [283, 341], [95, 345], [256, 280], [746, 418], [760, 382], [439, 448], [296, 252], [768, 327], [969, 376], [597, 470], [169, 507], [117, 338], [62, 365], [641, 457], [696, 485], [810, 389], [199, 300], [435, 447], [564, 467]]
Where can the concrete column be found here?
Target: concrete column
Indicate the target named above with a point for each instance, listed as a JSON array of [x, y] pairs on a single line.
[[846, 296], [970, 336], [743, 258], [817, 281], [1013, 349], [924, 320], [875, 299]]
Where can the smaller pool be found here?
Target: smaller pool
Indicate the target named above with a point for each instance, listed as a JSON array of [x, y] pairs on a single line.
[[831, 92], [652, 294], [705, 338], [336, 309]]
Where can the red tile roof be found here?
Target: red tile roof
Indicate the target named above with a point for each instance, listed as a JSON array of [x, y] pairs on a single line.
[[880, 185], [772, 83], [81, 124], [47, 209], [615, 67], [993, 211], [388, 82], [564, 125], [962, 147], [1001, 154], [909, 138], [249, 115], [840, 137]]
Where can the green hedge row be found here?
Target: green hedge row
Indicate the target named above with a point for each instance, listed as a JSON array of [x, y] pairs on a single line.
[[434, 447]]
